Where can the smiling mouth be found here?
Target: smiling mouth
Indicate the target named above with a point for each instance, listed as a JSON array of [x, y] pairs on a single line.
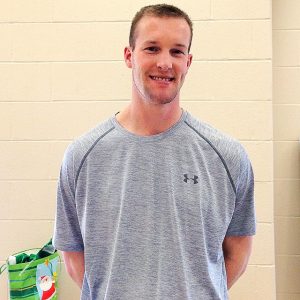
[[162, 79]]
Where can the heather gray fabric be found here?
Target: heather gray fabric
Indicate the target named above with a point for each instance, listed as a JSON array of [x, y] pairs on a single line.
[[151, 213]]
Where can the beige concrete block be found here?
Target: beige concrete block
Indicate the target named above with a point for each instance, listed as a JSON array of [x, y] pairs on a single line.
[[287, 232], [21, 235], [288, 274], [263, 245], [286, 160], [286, 87], [232, 40], [262, 39], [31, 160], [70, 41], [264, 202], [287, 122], [261, 156], [25, 82], [229, 80], [47, 121], [33, 11], [98, 81], [5, 15], [258, 282], [286, 198], [27, 200], [6, 42], [242, 120], [5, 121], [243, 9], [286, 14], [286, 47], [91, 81], [33, 41], [93, 10], [287, 296], [197, 10]]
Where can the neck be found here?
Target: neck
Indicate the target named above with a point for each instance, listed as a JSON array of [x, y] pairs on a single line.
[[145, 119]]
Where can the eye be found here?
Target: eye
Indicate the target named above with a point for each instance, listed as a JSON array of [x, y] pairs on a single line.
[[152, 49], [177, 52]]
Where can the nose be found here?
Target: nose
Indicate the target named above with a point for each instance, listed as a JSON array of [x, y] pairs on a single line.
[[164, 62]]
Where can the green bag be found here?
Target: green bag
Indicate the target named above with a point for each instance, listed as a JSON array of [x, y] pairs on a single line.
[[36, 279]]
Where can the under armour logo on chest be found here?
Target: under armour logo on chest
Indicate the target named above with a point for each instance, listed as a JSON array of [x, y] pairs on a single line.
[[186, 178]]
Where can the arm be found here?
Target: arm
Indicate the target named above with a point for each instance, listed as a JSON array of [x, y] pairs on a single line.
[[74, 262], [237, 250]]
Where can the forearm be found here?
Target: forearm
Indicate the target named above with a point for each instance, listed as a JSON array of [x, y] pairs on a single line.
[[236, 252], [234, 270], [74, 262], [77, 274]]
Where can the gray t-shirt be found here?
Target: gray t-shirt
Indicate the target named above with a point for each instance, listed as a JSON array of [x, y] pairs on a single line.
[[151, 212]]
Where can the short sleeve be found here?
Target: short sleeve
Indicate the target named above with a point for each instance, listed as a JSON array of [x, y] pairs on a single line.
[[243, 220], [67, 234]]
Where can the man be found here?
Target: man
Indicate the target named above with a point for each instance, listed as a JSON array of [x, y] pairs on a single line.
[[152, 203]]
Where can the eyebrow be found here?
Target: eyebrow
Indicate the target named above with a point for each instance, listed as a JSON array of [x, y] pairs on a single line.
[[176, 45]]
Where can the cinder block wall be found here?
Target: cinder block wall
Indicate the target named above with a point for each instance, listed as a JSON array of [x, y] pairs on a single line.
[[62, 72], [286, 93]]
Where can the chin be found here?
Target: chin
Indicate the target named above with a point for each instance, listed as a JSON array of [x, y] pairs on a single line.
[[160, 101]]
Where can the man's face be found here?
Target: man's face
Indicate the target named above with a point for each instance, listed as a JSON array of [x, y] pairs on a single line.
[[160, 59]]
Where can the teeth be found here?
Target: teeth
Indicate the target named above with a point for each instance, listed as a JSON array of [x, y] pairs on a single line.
[[161, 78]]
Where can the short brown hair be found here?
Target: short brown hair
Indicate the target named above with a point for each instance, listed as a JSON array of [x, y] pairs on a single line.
[[158, 10]]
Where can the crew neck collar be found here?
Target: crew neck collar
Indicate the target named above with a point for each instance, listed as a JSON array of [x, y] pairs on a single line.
[[153, 137]]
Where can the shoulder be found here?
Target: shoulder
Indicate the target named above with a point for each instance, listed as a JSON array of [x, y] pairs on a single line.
[[81, 146], [216, 138], [232, 154]]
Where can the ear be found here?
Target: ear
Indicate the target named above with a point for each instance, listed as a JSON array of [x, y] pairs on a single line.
[[128, 56], [189, 60]]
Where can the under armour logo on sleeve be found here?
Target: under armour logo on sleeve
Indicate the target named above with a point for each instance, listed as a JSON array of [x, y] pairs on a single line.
[[186, 178]]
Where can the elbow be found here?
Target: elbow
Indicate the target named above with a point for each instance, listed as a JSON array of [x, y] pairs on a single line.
[[244, 267]]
